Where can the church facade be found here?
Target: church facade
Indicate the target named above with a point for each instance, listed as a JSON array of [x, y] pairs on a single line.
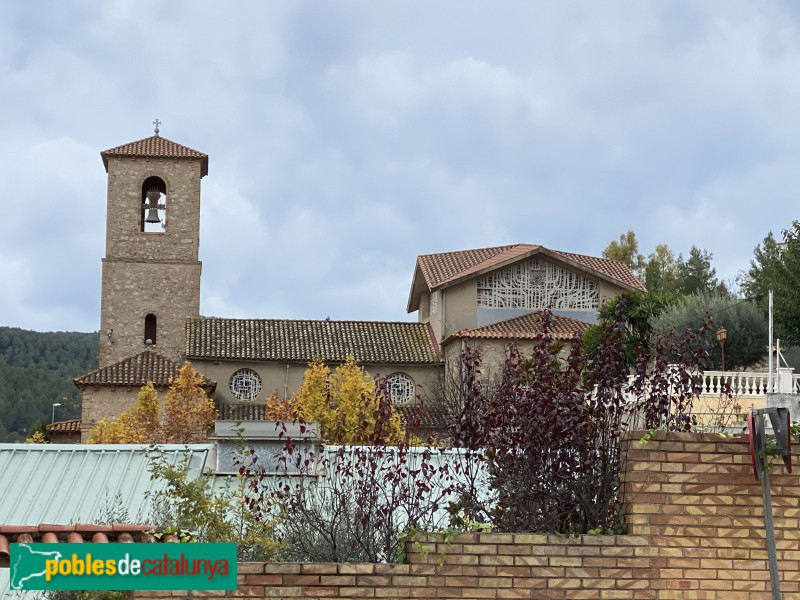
[[150, 303]]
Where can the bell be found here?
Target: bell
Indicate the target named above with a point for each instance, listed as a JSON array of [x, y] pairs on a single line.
[[152, 216]]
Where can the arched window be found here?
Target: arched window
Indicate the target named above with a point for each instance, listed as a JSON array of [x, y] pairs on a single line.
[[153, 213], [245, 385], [150, 323], [401, 388]]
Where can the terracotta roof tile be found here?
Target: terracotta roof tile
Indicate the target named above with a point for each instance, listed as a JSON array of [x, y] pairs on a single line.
[[155, 146], [52, 534], [610, 268], [371, 342], [136, 371], [446, 267], [70, 426], [441, 268], [527, 327]]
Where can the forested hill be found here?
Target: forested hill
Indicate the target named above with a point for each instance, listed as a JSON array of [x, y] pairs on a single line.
[[36, 371]]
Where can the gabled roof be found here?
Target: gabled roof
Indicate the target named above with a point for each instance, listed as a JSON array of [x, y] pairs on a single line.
[[282, 340], [136, 371], [156, 146], [526, 327], [447, 268]]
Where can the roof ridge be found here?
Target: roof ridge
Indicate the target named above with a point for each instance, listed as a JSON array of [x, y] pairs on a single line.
[[499, 248], [569, 327], [273, 320]]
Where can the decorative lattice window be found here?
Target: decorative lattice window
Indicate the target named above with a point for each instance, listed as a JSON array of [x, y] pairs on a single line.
[[434, 303], [536, 284], [245, 385], [401, 388]]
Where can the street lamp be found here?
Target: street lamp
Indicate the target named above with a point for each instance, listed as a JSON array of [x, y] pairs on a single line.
[[722, 334], [53, 419]]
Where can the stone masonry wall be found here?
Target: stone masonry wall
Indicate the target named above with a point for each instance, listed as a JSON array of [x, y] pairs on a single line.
[[147, 272], [696, 532]]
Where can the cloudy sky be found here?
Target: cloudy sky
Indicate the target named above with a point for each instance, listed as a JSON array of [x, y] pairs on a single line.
[[346, 138]]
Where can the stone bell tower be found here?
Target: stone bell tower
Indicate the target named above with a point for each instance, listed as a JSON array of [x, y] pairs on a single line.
[[151, 271]]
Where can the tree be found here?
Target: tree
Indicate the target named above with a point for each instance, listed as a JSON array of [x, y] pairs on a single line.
[[351, 503], [661, 271], [188, 411], [552, 432], [187, 415], [346, 403], [141, 424], [637, 311], [746, 326], [777, 266], [764, 272], [695, 274], [626, 251]]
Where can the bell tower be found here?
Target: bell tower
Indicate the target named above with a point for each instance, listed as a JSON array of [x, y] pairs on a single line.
[[151, 271]]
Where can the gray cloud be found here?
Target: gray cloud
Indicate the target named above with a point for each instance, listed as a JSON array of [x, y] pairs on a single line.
[[346, 138]]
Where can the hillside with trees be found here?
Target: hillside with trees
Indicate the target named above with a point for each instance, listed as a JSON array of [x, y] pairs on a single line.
[[36, 371]]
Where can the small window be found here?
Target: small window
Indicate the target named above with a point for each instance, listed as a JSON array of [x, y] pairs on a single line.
[[150, 330], [245, 385], [401, 388]]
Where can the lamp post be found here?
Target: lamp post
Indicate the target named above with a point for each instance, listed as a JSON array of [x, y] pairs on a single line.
[[722, 334], [53, 418]]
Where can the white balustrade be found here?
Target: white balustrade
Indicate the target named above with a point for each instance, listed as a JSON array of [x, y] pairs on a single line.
[[748, 384]]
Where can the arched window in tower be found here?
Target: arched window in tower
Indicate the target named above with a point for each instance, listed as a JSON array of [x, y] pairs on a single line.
[[150, 330], [153, 213]]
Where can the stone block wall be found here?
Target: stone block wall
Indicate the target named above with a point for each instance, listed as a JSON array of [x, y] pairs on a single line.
[[696, 526], [145, 272]]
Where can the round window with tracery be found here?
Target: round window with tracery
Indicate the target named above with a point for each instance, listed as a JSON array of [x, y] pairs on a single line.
[[401, 388], [245, 385]]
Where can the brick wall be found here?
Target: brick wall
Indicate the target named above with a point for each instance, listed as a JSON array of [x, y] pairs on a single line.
[[696, 531]]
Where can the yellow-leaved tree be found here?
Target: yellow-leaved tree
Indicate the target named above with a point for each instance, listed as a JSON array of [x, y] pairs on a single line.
[[188, 413], [346, 406]]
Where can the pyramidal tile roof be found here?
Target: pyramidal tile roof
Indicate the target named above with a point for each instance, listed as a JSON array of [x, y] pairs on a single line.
[[370, 342], [136, 371], [527, 327], [443, 268], [155, 146]]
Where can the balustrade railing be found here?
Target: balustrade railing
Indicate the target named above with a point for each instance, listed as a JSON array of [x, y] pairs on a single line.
[[748, 384], [735, 383]]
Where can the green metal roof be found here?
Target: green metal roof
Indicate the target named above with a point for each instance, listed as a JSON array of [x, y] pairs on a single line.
[[77, 483], [72, 483]]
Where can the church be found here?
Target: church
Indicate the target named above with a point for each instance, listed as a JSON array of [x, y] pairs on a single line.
[[150, 318]]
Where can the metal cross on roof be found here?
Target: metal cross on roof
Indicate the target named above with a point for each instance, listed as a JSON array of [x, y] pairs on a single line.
[[156, 124]]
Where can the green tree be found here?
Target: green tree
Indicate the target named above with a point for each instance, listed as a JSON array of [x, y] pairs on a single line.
[[626, 251], [746, 326], [777, 265], [636, 311], [764, 272], [695, 274], [36, 371], [661, 271]]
